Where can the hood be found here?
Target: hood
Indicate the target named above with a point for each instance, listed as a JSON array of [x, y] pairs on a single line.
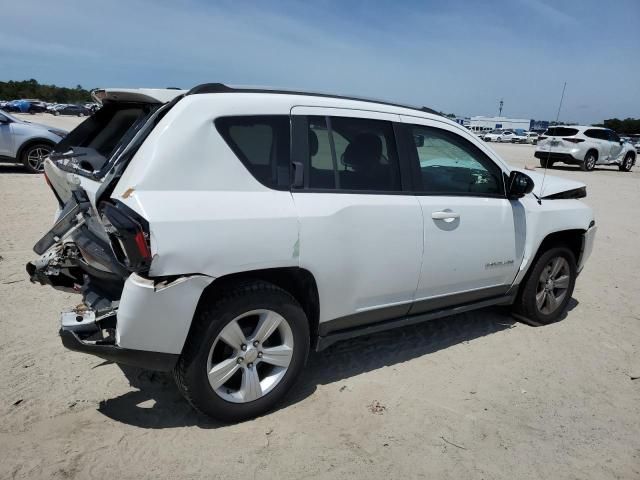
[[553, 186]]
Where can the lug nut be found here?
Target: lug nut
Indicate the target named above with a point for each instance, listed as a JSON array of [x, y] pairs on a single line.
[[256, 343], [240, 360], [259, 354], [250, 365], [243, 347]]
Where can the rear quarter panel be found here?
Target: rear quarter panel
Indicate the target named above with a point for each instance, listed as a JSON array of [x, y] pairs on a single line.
[[207, 214]]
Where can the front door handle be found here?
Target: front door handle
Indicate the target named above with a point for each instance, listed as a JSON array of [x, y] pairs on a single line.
[[444, 215]]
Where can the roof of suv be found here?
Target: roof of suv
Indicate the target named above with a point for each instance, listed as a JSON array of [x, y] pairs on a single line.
[[222, 88], [163, 95]]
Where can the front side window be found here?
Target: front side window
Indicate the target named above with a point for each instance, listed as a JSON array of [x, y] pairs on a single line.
[[352, 154], [262, 143], [451, 165]]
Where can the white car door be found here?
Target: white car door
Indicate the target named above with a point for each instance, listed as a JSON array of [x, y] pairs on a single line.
[[473, 235], [360, 234], [615, 147], [6, 137]]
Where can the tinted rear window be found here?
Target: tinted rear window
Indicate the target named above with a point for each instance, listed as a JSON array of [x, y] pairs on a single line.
[[561, 132], [262, 143]]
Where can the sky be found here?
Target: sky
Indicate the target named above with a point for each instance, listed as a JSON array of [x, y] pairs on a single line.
[[459, 57]]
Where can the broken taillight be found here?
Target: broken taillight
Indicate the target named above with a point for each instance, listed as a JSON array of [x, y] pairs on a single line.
[[129, 236]]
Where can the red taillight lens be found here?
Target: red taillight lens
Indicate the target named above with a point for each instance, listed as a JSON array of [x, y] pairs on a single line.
[[573, 140], [141, 243]]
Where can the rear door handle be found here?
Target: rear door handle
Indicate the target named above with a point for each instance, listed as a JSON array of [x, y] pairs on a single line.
[[444, 215]]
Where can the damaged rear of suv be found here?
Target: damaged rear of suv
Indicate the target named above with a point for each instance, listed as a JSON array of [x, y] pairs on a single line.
[[222, 233]]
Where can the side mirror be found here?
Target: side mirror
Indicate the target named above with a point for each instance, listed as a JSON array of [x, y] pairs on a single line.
[[621, 142], [4, 120], [519, 185]]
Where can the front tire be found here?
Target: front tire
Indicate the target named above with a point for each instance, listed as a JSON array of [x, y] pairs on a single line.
[[34, 155], [544, 296], [627, 163], [245, 351]]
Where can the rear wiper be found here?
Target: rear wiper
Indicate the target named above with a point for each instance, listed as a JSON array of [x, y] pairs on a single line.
[[61, 156]]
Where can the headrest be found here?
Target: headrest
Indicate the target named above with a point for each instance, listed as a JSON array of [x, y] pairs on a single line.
[[364, 150]]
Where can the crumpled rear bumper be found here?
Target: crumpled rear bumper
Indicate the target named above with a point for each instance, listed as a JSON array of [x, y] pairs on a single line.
[[146, 328], [159, 361]]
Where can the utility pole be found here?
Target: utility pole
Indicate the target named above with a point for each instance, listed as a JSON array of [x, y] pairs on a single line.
[[500, 108]]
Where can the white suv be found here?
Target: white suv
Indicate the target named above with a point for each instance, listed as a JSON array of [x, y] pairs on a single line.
[[584, 146], [222, 233]]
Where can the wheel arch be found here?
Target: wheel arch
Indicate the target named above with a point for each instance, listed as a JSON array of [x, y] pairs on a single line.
[[30, 143], [594, 150], [571, 238], [298, 282]]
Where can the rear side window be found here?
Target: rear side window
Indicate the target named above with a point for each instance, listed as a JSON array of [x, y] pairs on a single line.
[[561, 132], [596, 133], [352, 154], [262, 143]]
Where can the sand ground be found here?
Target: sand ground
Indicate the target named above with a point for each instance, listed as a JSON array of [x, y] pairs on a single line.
[[473, 396]]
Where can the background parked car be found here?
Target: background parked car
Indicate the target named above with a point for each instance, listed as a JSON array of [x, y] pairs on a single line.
[[25, 142], [499, 136], [26, 106], [78, 110], [519, 137], [532, 138]]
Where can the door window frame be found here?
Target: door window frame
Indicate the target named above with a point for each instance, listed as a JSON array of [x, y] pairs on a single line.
[[413, 161], [300, 150]]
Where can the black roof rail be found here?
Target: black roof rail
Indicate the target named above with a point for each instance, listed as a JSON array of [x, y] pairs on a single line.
[[222, 88]]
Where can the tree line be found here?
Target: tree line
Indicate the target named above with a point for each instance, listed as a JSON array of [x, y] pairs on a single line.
[[628, 126], [13, 90]]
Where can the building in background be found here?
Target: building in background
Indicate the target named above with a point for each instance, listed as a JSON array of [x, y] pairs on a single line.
[[486, 124]]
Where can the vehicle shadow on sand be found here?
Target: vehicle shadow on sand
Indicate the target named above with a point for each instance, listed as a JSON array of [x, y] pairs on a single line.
[[157, 403], [11, 168]]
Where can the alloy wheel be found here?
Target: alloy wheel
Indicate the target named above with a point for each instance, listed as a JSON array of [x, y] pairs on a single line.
[[552, 285], [36, 157], [250, 356]]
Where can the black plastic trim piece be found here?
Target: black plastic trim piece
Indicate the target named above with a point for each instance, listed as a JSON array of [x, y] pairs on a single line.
[[568, 195], [557, 157], [222, 88], [337, 336], [158, 361], [431, 304]]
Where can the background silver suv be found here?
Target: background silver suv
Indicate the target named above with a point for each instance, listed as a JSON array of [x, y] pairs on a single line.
[[584, 146], [25, 142]]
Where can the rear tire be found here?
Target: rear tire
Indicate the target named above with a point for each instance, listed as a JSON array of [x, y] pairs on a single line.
[[237, 395], [589, 162], [544, 163], [627, 163], [547, 289]]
